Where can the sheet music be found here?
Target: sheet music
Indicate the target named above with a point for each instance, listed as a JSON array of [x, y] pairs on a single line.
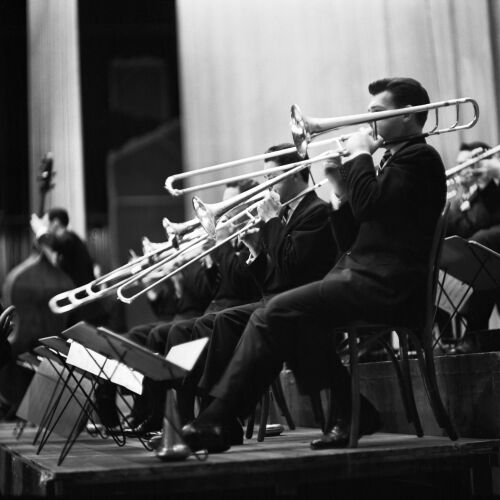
[[454, 292], [185, 355], [106, 368]]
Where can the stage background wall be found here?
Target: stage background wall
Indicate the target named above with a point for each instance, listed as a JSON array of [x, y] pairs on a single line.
[[243, 63]]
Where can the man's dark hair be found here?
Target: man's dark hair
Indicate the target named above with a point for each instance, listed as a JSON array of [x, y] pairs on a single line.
[[405, 91], [287, 158], [60, 214], [243, 185], [471, 146]]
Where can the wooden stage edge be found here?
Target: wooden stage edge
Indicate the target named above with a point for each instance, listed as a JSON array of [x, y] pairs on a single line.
[[283, 464]]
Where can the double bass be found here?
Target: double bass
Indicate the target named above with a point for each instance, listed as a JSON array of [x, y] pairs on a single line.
[[31, 284]]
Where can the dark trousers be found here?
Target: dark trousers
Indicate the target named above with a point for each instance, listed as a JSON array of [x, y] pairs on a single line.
[[295, 327], [224, 330]]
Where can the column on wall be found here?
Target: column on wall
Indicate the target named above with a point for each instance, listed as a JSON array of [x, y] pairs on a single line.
[[54, 103]]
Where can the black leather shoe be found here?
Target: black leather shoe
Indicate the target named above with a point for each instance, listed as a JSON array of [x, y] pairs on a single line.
[[155, 440], [212, 437], [338, 437], [95, 429], [462, 348], [149, 426]]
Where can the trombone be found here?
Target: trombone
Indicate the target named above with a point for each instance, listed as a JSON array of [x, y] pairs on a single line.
[[101, 287], [253, 221], [305, 129], [451, 172]]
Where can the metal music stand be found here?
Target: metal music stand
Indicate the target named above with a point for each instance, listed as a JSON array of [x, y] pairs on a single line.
[[472, 263], [119, 348], [104, 342], [71, 386]]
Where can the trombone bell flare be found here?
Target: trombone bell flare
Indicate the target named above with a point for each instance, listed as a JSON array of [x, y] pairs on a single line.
[[206, 217]]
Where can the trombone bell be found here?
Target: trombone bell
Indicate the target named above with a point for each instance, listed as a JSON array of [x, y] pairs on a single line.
[[206, 217]]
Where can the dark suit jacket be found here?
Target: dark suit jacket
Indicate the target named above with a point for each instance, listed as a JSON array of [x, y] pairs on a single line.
[[231, 279], [73, 256], [385, 270], [299, 252], [196, 294]]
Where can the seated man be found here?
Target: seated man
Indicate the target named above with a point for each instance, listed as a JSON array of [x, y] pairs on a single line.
[[292, 246], [475, 215], [380, 279]]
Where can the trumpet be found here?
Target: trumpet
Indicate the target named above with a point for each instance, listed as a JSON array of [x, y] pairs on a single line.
[[253, 221]]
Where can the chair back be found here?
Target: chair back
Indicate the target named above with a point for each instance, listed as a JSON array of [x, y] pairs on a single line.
[[433, 275]]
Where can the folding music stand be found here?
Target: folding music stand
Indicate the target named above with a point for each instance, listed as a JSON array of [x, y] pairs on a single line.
[[473, 264], [104, 342], [58, 350], [61, 414], [135, 356]]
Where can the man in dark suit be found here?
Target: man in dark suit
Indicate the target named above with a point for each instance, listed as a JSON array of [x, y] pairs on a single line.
[[66, 250], [293, 245], [475, 215], [381, 278], [72, 255]]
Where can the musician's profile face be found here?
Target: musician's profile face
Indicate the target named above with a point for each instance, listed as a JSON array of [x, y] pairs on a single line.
[[463, 156], [283, 187], [230, 192], [390, 127]]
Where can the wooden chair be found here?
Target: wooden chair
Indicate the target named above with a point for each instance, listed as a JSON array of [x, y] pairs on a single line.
[[275, 391], [361, 334]]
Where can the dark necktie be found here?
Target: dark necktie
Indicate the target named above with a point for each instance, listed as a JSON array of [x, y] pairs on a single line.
[[284, 212], [384, 160]]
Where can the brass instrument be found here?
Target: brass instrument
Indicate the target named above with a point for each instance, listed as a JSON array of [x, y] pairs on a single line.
[[460, 180], [305, 129], [451, 172], [169, 182], [107, 284], [253, 221]]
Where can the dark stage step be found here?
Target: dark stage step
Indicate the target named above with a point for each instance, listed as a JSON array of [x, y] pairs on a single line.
[[280, 466]]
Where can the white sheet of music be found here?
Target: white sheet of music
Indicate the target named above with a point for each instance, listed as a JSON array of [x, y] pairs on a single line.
[[109, 369], [185, 355], [455, 292]]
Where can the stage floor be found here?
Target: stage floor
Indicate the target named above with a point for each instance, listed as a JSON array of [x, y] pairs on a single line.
[[281, 464]]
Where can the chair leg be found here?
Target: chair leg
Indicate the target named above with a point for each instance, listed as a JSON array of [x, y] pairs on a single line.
[[405, 364], [317, 408], [264, 414], [400, 377], [279, 397], [428, 373], [250, 425], [355, 389]]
